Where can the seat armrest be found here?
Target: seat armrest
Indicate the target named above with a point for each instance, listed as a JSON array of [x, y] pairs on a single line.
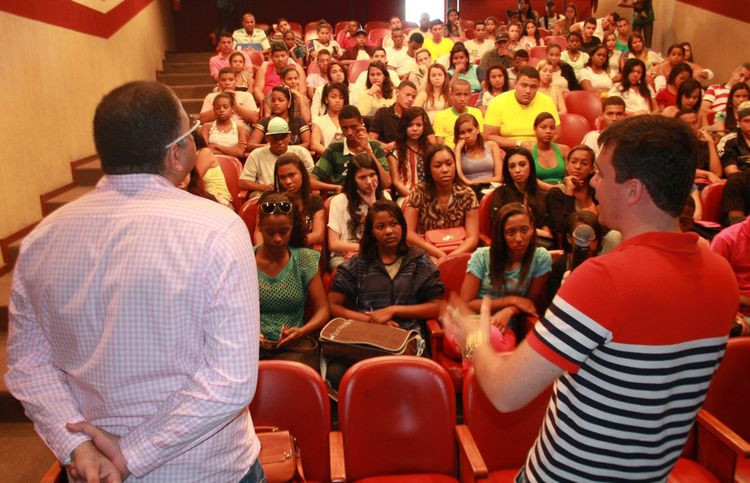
[[436, 336], [471, 463], [336, 447], [484, 240], [718, 448], [54, 474]]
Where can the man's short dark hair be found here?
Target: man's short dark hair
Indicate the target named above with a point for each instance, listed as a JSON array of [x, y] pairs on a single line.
[[613, 101], [417, 37], [615, 16], [480, 22], [225, 70], [590, 20], [278, 47], [407, 83], [132, 126], [378, 49], [528, 71], [521, 54], [437, 21], [659, 151], [350, 112], [225, 34]]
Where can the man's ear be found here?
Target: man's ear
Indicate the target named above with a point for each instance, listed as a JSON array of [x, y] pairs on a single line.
[[635, 191]]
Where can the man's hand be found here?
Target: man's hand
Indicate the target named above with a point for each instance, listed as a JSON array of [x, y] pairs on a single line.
[[460, 320], [91, 466], [363, 139], [107, 443], [381, 316]]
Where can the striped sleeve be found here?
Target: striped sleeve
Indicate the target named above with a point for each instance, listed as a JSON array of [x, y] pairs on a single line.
[[581, 318]]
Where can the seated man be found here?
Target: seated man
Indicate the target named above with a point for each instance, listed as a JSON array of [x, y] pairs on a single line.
[[330, 169], [269, 74], [394, 23], [257, 175], [245, 109], [480, 44], [734, 148], [384, 126], [249, 37], [510, 116], [715, 97], [520, 59], [735, 199], [320, 78], [733, 243], [221, 59], [500, 55], [435, 43], [400, 56], [446, 119], [359, 51], [613, 111], [324, 41]]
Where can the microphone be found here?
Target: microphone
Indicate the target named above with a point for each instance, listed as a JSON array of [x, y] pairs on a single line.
[[583, 235]]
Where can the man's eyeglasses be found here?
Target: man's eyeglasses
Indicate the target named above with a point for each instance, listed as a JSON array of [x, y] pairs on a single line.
[[183, 136], [269, 208]]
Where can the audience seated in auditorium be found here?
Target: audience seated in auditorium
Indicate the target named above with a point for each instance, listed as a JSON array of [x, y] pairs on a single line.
[[206, 179], [594, 76], [510, 116], [623, 35], [434, 96], [514, 36], [513, 271], [257, 175], [726, 121], [269, 73], [675, 57], [549, 157], [221, 59], [479, 163], [394, 23], [385, 123], [346, 215], [452, 27], [400, 56], [243, 78], [520, 186], [319, 78], [688, 97], [638, 95], [573, 55], [435, 43], [613, 110], [290, 78], [282, 103], [380, 90], [708, 165], [500, 55], [588, 40], [359, 87], [563, 75], [359, 51], [575, 193], [251, 37], [225, 135], [441, 201], [495, 84], [667, 96], [480, 44], [387, 282], [531, 36], [326, 128], [336, 73], [734, 148], [563, 264], [716, 96], [461, 68], [412, 140], [418, 74], [520, 59], [445, 120], [324, 41], [614, 57], [547, 86], [288, 277], [244, 109]]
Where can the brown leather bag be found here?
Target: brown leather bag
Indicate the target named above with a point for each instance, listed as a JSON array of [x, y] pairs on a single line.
[[353, 341], [279, 455]]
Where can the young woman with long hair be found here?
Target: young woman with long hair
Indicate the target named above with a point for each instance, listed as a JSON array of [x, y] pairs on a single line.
[[479, 162], [634, 90], [435, 95], [326, 128], [406, 166]]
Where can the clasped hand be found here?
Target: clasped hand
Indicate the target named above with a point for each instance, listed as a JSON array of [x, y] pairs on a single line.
[[99, 459]]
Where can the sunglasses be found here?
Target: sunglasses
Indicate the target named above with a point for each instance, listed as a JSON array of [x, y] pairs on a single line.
[[269, 208]]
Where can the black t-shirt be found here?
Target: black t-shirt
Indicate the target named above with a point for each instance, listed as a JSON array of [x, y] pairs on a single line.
[[736, 196], [385, 124], [589, 46]]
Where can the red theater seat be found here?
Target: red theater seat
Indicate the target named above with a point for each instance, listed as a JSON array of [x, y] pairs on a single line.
[[586, 104], [231, 168]]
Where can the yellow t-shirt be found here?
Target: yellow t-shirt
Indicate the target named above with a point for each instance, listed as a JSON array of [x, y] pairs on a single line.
[[445, 120], [437, 50], [514, 120]]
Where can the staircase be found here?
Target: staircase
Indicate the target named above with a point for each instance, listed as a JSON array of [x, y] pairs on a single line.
[[25, 457]]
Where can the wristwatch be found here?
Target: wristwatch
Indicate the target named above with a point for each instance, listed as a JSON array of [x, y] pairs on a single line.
[[474, 340]]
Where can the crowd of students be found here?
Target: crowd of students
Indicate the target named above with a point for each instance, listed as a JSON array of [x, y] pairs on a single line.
[[406, 136]]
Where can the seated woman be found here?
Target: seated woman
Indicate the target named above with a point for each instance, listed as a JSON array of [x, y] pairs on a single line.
[[549, 157], [563, 75], [418, 74], [225, 135], [520, 186], [434, 95], [637, 50], [326, 128], [244, 78], [206, 179], [634, 90], [336, 73], [406, 166], [513, 271], [380, 91], [565, 262], [441, 201], [290, 79], [282, 105], [496, 83], [461, 68], [546, 86], [614, 56], [576, 194], [388, 282], [668, 95], [531, 36], [287, 275], [689, 96], [726, 121], [708, 165], [594, 76], [479, 162], [348, 209]]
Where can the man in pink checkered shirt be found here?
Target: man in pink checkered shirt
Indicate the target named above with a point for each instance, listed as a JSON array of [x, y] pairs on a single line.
[[134, 313]]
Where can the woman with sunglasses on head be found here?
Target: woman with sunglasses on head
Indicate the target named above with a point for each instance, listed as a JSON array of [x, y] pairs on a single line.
[[346, 214], [287, 278], [387, 282], [513, 271]]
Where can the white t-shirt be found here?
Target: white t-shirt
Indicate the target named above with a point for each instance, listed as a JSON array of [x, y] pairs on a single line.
[[634, 101], [330, 131], [360, 85], [477, 50], [244, 99], [400, 60], [338, 217], [261, 162], [598, 81], [591, 139]]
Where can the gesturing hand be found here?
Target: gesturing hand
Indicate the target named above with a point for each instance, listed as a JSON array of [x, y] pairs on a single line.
[[107, 443], [89, 465]]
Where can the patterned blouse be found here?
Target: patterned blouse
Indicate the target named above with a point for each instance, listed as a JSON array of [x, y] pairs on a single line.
[[432, 216]]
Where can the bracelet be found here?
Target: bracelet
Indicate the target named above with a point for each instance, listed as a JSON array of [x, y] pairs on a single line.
[[474, 340]]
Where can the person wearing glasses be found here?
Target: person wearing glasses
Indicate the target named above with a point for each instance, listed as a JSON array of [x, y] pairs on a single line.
[[288, 279], [134, 314]]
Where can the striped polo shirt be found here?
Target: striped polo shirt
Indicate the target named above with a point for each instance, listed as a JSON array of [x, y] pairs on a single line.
[[639, 332]]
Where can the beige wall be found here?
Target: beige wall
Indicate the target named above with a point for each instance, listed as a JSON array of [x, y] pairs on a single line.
[[52, 78], [720, 43]]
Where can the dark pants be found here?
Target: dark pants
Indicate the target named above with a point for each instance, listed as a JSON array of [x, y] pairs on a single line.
[[255, 475]]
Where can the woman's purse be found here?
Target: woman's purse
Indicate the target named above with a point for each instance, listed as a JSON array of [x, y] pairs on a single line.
[[353, 341], [279, 455], [446, 239]]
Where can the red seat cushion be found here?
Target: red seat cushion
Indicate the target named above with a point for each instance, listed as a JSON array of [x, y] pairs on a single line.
[[412, 478], [688, 471], [453, 368], [503, 476]]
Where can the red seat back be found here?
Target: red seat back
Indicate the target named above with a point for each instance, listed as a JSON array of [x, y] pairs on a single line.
[[249, 214], [341, 25], [313, 68], [572, 129], [467, 24], [485, 225], [231, 168], [292, 396], [296, 28], [473, 98], [538, 51], [585, 103], [452, 271], [503, 439], [376, 24], [356, 68], [397, 415], [375, 36], [311, 26], [556, 39], [729, 394], [255, 57], [711, 200]]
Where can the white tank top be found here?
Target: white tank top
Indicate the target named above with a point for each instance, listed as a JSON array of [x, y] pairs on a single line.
[[226, 139]]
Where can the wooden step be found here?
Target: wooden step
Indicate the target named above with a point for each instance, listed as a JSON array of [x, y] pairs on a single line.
[[183, 79], [25, 456], [88, 174], [66, 197], [189, 57], [188, 67], [194, 92], [192, 106]]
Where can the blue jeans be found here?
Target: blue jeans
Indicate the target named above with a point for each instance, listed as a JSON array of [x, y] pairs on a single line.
[[255, 475]]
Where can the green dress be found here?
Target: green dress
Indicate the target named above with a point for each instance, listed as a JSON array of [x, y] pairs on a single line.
[[549, 175]]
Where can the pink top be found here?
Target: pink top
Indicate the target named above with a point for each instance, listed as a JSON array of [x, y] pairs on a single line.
[[136, 308], [272, 78], [733, 243], [217, 62]]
